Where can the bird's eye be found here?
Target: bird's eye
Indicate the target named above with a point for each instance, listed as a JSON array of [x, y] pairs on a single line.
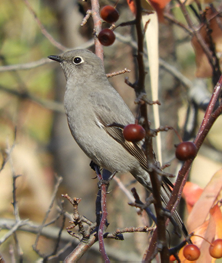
[[77, 60]]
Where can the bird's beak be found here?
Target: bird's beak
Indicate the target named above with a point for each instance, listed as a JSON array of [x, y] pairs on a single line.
[[56, 58]]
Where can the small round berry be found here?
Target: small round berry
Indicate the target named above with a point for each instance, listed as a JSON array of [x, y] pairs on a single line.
[[191, 252], [172, 258], [215, 248], [134, 133], [109, 14], [106, 37], [185, 151]]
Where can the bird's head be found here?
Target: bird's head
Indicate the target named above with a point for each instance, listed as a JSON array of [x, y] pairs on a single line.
[[80, 61]]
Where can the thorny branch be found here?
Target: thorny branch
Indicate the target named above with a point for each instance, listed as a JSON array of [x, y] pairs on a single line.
[[97, 27], [154, 177], [102, 218], [211, 55], [204, 129]]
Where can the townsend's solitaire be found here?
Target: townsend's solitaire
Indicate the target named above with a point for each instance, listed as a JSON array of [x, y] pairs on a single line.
[[91, 105]]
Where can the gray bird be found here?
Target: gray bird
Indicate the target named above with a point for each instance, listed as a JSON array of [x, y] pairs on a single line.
[[92, 105]]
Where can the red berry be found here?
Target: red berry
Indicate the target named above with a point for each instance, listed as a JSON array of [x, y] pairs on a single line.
[[109, 14], [134, 132], [215, 249], [106, 37], [186, 150], [191, 252], [172, 258]]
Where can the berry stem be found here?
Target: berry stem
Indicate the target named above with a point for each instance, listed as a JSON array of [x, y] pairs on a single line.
[[194, 235], [116, 4]]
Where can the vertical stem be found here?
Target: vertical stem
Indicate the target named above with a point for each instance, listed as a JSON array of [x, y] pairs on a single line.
[[97, 27], [161, 245], [102, 224]]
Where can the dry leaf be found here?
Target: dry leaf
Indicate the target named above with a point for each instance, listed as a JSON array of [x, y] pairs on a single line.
[[205, 219], [201, 209], [217, 216]]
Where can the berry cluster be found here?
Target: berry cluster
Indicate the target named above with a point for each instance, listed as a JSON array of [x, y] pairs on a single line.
[[110, 15], [135, 133], [191, 252]]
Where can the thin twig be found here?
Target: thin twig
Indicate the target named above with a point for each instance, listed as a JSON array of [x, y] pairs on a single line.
[[18, 247], [87, 16], [176, 22], [54, 252], [103, 189], [196, 33], [113, 74], [14, 203], [42, 61], [142, 229], [97, 27], [123, 188], [43, 30], [12, 254], [59, 180], [13, 228], [25, 66], [61, 251], [48, 104], [51, 232]]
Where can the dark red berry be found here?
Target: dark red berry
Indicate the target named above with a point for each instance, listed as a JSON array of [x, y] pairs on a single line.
[[185, 151], [191, 252], [215, 248], [109, 14], [134, 132], [106, 37]]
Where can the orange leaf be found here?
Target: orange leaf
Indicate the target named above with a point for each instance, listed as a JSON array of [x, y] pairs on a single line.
[[204, 248], [202, 207], [217, 216], [191, 193], [159, 5], [132, 6]]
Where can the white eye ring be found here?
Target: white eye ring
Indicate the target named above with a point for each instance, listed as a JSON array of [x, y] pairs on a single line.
[[77, 60]]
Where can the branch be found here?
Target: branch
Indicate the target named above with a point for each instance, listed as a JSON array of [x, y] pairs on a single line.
[[102, 223], [40, 62], [97, 27], [48, 104], [59, 180], [13, 228], [43, 30], [205, 127]]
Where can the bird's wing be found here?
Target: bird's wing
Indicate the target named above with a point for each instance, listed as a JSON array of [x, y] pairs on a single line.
[[121, 115], [111, 113], [112, 110]]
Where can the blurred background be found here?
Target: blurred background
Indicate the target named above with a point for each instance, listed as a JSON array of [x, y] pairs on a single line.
[[34, 129]]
